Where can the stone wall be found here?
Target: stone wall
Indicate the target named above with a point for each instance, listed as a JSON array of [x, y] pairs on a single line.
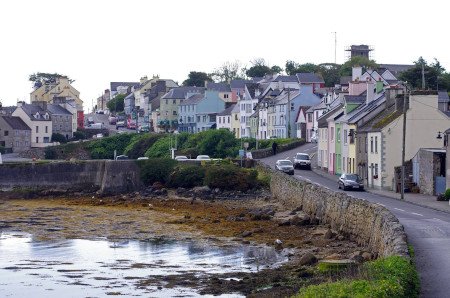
[[368, 224], [107, 176], [262, 153]]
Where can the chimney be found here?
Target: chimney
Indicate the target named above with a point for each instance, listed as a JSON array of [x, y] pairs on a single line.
[[356, 73], [143, 80], [391, 94], [42, 104], [370, 91]]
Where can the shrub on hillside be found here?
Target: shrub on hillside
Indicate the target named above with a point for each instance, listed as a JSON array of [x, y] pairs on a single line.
[[160, 148], [57, 137], [79, 135], [50, 153], [187, 176], [139, 144], [156, 170], [219, 143], [230, 177], [447, 194], [104, 148]]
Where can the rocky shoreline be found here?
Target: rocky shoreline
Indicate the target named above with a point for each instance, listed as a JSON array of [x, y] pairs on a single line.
[[202, 214]]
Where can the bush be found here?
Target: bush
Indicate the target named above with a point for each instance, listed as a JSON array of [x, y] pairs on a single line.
[[230, 177], [57, 137], [139, 144], [447, 194], [187, 176], [161, 148], [389, 277], [104, 148], [79, 135], [50, 153], [156, 170]]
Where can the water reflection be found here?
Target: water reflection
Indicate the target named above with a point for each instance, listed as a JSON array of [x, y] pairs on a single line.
[[78, 268]]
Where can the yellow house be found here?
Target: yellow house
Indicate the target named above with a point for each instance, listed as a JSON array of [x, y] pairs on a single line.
[[235, 121], [60, 88]]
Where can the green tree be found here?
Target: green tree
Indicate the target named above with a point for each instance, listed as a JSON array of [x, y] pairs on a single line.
[[330, 73], [365, 63], [117, 103], [435, 75], [260, 68], [47, 77], [197, 78], [293, 67], [57, 137]]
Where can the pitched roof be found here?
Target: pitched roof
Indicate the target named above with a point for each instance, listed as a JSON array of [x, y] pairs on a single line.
[[15, 123], [227, 111], [443, 96], [251, 87], [57, 110], [309, 77], [282, 78], [193, 99], [345, 80], [181, 92], [220, 87], [32, 110], [355, 98], [396, 68], [238, 84], [114, 85]]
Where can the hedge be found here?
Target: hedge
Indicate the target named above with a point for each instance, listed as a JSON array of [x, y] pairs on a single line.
[[230, 177]]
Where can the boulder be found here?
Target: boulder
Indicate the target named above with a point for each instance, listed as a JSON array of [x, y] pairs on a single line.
[[328, 234], [307, 259]]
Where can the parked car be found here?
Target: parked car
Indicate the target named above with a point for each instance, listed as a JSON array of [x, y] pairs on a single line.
[[181, 158], [144, 128], [131, 125], [121, 157], [96, 126], [302, 160], [91, 120], [120, 124], [100, 112], [112, 120], [203, 157], [285, 165], [142, 158], [350, 181], [99, 136]]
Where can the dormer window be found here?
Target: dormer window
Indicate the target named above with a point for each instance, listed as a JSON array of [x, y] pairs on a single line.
[[36, 116], [46, 116]]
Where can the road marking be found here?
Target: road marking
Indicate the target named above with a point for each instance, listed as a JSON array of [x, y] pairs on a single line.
[[416, 213], [399, 209]]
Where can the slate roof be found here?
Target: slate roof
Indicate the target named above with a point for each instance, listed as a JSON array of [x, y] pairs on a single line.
[[180, 92], [15, 123], [395, 69], [114, 85], [282, 78], [365, 109], [443, 96], [31, 111], [193, 99], [220, 87], [309, 77], [227, 111], [345, 80], [238, 84], [251, 87], [57, 110], [355, 98]]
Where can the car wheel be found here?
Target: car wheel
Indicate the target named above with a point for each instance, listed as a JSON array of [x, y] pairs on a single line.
[[339, 186]]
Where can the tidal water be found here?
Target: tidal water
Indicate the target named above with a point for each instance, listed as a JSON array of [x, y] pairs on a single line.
[[99, 268]]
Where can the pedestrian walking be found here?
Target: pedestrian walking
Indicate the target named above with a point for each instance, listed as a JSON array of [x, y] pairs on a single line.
[[274, 147]]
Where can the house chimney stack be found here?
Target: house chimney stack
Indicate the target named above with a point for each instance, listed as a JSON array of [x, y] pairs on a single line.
[[370, 91], [356, 73]]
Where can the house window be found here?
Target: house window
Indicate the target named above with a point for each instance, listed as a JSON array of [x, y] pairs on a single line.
[[376, 170], [228, 119], [365, 143], [46, 129], [352, 137], [338, 135], [293, 107], [37, 139], [167, 101], [174, 102], [309, 117], [220, 120], [198, 118], [225, 96], [332, 134], [37, 130], [16, 133], [174, 113], [345, 136], [204, 118], [6, 133], [46, 140], [371, 144], [17, 143], [27, 143], [376, 144]]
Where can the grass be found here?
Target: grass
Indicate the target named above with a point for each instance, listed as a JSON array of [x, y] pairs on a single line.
[[388, 277]]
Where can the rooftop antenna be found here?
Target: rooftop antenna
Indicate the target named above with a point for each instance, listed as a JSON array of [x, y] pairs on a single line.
[[335, 45]]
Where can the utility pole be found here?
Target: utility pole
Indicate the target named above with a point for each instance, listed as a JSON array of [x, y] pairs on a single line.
[[289, 113], [335, 45], [423, 77], [402, 191]]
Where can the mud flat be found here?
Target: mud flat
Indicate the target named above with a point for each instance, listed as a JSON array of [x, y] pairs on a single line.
[[273, 251]]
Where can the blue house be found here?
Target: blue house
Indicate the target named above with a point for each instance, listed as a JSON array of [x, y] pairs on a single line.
[[198, 111]]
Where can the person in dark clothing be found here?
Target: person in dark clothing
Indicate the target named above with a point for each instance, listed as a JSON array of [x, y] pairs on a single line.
[[274, 147]]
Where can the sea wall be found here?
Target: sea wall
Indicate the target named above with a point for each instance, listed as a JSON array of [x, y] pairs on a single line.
[[368, 224]]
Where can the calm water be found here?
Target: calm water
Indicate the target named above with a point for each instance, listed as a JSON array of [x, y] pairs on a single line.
[[86, 268]]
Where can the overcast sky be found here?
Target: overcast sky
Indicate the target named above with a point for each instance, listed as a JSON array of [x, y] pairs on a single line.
[[96, 42]]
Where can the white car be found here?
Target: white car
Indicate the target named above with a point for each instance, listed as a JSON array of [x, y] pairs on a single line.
[[285, 166], [203, 157], [142, 158], [302, 160], [181, 158]]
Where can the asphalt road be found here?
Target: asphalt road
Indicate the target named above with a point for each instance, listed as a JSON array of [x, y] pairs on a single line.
[[428, 230], [103, 118]]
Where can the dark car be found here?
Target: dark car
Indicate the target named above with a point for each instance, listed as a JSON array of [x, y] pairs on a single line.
[[285, 166], [350, 181]]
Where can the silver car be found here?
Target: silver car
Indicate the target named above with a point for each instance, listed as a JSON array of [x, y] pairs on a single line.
[[302, 160], [285, 165], [350, 181]]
